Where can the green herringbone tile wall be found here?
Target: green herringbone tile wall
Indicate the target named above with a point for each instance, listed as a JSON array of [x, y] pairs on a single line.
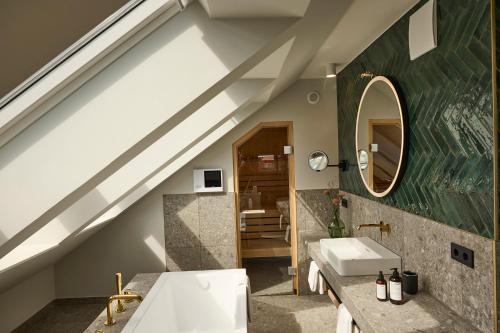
[[448, 97], [497, 44]]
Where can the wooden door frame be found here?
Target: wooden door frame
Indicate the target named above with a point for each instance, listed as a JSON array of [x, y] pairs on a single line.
[[291, 184]]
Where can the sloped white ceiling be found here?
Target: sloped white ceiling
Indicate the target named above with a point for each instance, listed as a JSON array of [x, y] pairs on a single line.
[[254, 8], [362, 24], [287, 66]]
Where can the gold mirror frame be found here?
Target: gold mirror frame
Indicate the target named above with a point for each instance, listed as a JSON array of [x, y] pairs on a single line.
[[399, 172]]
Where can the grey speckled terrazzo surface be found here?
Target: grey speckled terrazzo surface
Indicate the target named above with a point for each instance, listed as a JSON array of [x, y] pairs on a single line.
[[293, 314], [271, 313], [200, 232], [424, 246], [419, 313], [63, 316], [142, 284]]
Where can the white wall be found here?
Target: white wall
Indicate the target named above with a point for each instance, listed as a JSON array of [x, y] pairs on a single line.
[[315, 128], [25, 299], [79, 138], [134, 241]]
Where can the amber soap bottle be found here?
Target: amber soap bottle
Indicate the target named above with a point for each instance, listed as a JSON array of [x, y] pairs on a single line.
[[395, 288], [381, 287]]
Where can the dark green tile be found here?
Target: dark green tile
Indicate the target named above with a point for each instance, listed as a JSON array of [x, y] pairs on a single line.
[[449, 172]]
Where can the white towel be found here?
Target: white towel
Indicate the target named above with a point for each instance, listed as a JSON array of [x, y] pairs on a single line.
[[313, 277], [356, 329], [344, 320]]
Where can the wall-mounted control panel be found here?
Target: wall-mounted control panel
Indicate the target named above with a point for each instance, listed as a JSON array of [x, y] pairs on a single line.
[[208, 180], [462, 255]]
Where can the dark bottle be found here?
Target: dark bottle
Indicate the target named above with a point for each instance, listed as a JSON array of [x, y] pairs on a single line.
[[395, 288], [381, 287]]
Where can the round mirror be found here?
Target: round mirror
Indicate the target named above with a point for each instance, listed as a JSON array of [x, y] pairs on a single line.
[[318, 160], [380, 136]]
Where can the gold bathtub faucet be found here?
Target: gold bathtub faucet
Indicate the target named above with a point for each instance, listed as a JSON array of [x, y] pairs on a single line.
[[109, 305], [121, 296], [119, 305], [382, 227]]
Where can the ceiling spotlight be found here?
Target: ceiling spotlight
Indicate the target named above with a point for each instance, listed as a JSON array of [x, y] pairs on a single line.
[[331, 70]]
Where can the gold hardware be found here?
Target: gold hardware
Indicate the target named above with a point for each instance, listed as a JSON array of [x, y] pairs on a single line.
[[119, 305], [496, 231], [382, 227], [129, 292], [366, 74], [99, 331], [109, 310]]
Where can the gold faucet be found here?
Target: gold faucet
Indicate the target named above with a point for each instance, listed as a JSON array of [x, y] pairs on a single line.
[[382, 227], [109, 310], [119, 305]]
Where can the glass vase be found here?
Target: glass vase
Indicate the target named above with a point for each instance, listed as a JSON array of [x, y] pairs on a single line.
[[336, 228]]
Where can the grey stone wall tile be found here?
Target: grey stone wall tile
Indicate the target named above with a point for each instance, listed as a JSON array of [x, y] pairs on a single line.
[[200, 231], [303, 213], [217, 219], [183, 259], [218, 257], [477, 283], [424, 246], [182, 228], [394, 239], [440, 275], [314, 210]]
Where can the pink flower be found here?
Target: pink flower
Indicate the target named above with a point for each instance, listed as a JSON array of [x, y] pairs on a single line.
[[336, 201], [326, 192]]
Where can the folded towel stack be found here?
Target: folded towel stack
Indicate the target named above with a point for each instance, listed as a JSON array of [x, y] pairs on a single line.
[[315, 279]]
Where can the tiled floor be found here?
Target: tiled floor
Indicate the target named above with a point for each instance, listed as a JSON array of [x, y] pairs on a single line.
[[269, 276], [276, 309], [63, 316], [293, 314]]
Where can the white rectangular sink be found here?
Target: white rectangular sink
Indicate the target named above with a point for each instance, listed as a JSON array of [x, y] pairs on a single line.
[[196, 301], [358, 256]]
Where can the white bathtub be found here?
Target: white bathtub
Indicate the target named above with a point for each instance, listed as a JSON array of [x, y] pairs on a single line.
[[196, 301]]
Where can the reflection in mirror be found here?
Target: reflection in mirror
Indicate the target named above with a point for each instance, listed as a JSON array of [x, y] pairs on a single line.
[[318, 160], [363, 159], [380, 136]]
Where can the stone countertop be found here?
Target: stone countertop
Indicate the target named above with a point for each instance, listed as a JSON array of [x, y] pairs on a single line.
[[419, 313], [142, 284]]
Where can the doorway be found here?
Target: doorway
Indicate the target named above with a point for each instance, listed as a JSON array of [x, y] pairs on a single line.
[[384, 154], [264, 182]]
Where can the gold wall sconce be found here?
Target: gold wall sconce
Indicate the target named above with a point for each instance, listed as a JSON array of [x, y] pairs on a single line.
[[365, 75]]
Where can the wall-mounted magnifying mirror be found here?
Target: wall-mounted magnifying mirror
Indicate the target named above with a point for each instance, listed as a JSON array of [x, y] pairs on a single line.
[[380, 136], [318, 160], [363, 159]]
